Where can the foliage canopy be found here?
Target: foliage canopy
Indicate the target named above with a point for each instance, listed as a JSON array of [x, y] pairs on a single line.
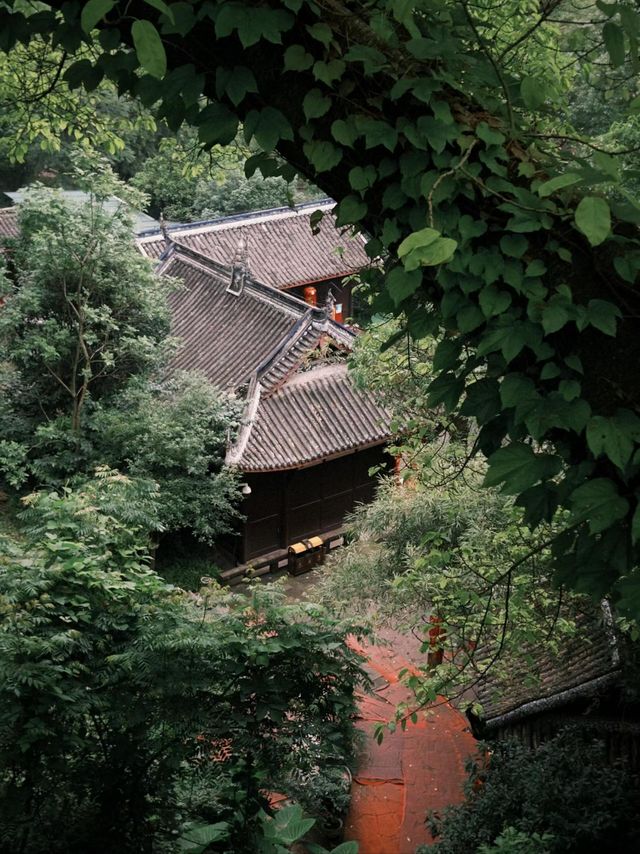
[[128, 712], [440, 128]]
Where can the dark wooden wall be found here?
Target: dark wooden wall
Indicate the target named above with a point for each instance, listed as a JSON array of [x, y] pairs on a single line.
[[285, 507]]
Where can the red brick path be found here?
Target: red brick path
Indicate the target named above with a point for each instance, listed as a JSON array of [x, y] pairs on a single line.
[[412, 772]]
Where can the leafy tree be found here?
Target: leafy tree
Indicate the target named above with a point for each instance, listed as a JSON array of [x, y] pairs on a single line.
[[185, 184], [87, 312], [40, 132], [127, 710], [174, 433], [503, 234], [563, 791], [84, 349]]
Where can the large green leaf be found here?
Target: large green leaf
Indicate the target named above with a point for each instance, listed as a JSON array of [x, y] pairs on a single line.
[[402, 283], [94, 11], [315, 104], [614, 42], [615, 436], [557, 183], [268, 126], [217, 125], [149, 48], [323, 155], [517, 467], [593, 218], [599, 503], [426, 248]]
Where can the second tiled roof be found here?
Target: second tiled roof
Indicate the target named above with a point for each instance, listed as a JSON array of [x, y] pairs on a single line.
[[282, 249]]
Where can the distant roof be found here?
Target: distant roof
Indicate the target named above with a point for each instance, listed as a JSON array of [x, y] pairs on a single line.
[[282, 249], [301, 407], [141, 221], [8, 222], [540, 679]]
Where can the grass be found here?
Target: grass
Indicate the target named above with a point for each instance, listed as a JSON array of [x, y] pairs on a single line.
[[187, 572]]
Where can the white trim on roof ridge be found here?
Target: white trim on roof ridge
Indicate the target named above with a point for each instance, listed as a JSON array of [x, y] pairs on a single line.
[[238, 220], [235, 451]]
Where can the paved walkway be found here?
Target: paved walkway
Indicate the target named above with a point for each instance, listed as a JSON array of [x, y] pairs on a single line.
[[413, 771]]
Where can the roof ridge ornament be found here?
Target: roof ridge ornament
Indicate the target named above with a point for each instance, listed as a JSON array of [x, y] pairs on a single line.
[[239, 268], [330, 305]]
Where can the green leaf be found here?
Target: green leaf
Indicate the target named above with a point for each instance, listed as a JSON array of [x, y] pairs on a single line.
[[469, 318], [217, 125], [322, 33], [539, 502], [344, 132], [162, 7], [235, 82], [426, 248], [350, 210], [602, 314], [361, 178], [598, 503], [315, 104], [149, 48], [557, 183], [514, 245], [489, 135], [327, 72], [370, 57], [378, 133], [533, 92], [482, 400], [518, 467], [554, 317], [296, 58], [516, 388], [614, 42], [615, 436], [268, 126], [401, 283], [445, 389], [323, 155], [417, 240], [493, 301], [593, 218], [94, 11], [345, 848]]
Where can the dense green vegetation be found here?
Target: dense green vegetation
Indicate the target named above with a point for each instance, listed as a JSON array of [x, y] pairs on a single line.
[[489, 151], [129, 714], [84, 349], [444, 130], [559, 799]]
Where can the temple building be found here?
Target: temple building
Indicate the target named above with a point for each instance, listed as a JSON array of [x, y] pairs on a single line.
[[283, 250], [309, 436]]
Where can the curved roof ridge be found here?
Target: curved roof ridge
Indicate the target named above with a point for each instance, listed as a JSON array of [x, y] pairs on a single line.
[[245, 218]]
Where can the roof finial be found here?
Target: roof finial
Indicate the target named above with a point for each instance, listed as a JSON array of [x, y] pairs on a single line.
[[239, 268], [163, 226], [330, 304]]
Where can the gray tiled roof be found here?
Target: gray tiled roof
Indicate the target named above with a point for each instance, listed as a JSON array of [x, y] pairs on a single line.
[[315, 415], [282, 250], [539, 679], [222, 335], [299, 408], [8, 222]]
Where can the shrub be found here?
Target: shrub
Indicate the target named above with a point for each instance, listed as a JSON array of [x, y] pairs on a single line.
[[564, 789], [127, 711]]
